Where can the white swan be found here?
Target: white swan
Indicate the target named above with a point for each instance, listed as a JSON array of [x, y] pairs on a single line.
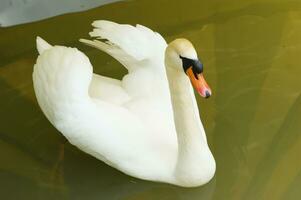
[[147, 125]]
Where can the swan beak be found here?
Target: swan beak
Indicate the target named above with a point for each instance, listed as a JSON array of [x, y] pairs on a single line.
[[199, 83]]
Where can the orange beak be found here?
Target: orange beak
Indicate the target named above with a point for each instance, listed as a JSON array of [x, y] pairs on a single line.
[[199, 83]]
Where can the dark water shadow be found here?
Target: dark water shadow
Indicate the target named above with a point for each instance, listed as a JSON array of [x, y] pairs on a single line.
[[88, 178], [28, 148]]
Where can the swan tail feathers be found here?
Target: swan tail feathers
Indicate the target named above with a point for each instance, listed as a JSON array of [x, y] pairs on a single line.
[[61, 74], [42, 45]]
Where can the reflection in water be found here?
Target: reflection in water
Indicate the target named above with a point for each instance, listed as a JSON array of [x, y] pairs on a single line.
[[14, 12], [250, 50]]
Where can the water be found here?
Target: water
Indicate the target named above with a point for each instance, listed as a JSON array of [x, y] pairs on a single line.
[[251, 53]]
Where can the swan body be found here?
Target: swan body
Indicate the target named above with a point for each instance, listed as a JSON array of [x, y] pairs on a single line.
[[146, 125]]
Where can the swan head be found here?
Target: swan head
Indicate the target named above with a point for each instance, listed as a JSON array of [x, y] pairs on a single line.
[[181, 56]]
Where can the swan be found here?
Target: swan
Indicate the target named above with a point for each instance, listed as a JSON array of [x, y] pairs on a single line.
[[146, 125]]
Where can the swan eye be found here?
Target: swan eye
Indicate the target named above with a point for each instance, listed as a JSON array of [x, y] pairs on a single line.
[[196, 65]]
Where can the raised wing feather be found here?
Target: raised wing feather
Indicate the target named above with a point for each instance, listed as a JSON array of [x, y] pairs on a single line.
[[128, 44], [137, 48]]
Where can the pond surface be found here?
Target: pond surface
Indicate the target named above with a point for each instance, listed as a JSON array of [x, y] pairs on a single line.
[[251, 53]]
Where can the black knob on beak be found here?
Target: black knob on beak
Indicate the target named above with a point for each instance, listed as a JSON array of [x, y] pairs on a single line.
[[207, 94]]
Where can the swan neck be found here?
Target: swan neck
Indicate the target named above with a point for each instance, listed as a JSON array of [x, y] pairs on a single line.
[[195, 163], [186, 114]]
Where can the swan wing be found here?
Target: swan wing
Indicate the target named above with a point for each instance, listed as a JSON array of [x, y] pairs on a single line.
[[142, 52], [108, 89], [124, 41], [139, 49]]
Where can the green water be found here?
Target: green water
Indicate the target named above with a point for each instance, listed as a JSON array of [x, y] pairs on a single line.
[[251, 53]]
